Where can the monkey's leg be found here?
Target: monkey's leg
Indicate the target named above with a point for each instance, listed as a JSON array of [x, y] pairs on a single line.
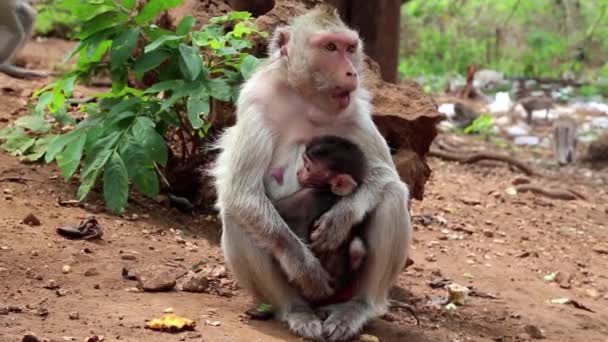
[[388, 237], [256, 270], [20, 26]]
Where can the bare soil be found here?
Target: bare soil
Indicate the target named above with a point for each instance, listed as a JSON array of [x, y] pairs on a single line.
[[468, 229]]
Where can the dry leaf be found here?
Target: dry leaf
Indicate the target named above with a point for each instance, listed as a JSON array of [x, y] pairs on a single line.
[[171, 323]]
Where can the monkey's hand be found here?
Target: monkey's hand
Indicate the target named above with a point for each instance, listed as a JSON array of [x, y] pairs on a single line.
[[309, 276], [333, 228]]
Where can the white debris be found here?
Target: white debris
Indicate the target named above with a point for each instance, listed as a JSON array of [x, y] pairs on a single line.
[[447, 109], [528, 140], [502, 103]]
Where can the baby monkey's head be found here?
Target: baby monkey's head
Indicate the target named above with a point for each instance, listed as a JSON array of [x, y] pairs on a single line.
[[332, 162]]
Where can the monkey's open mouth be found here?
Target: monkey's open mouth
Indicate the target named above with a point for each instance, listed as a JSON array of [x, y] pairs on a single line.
[[343, 98]]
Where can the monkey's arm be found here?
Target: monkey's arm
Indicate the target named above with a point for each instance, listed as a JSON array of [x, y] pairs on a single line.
[[334, 227], [239, 173]]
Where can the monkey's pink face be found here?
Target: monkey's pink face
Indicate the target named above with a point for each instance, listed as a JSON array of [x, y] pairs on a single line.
[[313, 174], [333, 62]]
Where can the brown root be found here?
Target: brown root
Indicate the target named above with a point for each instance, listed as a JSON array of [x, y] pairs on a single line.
[[567, 195], [450, 156]]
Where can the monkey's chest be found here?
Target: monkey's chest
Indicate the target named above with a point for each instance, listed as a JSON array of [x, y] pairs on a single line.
[[280, 179]]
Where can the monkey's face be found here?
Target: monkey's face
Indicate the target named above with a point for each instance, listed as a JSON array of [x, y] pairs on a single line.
[[333, 63], [314, 174]]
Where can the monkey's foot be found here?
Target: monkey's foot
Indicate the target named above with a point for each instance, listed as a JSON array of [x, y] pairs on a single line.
[[345, 320], [304, 323]]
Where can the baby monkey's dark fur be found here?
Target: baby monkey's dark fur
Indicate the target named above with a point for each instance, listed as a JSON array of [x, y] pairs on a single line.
[[333, 167]]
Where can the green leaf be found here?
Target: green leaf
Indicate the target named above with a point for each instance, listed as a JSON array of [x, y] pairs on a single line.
[[192, 61], [69, 159], [35, 123], [115, 183], [160, 41], [119, 78], [95, 163], [241, 29], [197, 104], [185, 25], [43, 101], [39, 148], [58, 143], [17, 142], [123, 47], [218, 88], [150, 60], [101, 22], [165, 85], [129, 4], [235, 15], [134, 155], [154, 144], [248, 66], [153, 8], [146, 182]]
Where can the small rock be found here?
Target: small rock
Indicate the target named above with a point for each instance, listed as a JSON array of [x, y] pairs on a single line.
[[74, 316], [520, 181], [168, 310], [66, 269], [7, 191], [156, 279], [601, 249], [593, 293], [213, 323], [91, 272], [52, 285], [457, 294], [193, 335], [534, 332], [470, 201], [31, 220], [511, 191], [30, 338], [488, 233], [41, 312], [34, 253], [128, 257], [61, 292], [180, 240], [195, 282], [96, 286], [368, 338]]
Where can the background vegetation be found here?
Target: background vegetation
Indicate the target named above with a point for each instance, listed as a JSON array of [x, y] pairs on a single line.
[[540, 38]]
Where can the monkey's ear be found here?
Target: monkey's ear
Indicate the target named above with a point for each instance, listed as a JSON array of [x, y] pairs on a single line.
[[342, 184], [277, 46]]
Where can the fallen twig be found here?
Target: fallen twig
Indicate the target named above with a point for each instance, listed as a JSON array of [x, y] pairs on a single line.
[[567, 195], [482, 156], [15, 179], [401, 305]]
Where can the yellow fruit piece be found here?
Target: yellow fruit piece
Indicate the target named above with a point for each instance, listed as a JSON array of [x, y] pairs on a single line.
[[171, 322]]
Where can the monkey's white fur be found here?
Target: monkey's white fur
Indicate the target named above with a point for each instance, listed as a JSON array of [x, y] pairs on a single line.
[[264, 255]]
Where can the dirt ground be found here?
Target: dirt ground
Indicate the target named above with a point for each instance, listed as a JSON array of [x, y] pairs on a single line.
[[469, 229]]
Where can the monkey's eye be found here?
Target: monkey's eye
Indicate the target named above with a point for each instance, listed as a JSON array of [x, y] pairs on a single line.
[[351, 48], [331, 47]]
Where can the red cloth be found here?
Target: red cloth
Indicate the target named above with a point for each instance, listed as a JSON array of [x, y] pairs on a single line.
[[341, 296]]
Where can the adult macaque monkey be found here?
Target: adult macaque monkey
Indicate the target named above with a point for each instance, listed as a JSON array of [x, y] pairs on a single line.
[[17, 19], [308, 87]]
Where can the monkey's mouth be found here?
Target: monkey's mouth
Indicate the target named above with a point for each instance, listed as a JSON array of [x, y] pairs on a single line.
[[342, 97]]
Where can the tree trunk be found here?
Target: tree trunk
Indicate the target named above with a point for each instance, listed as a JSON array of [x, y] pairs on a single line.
[[378, 24]]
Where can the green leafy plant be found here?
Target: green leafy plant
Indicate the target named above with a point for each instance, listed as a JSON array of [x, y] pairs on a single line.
[[483, 125], [124, 136], [55, 19]]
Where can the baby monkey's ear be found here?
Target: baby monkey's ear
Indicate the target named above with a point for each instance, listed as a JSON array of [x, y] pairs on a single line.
[[342, 184]]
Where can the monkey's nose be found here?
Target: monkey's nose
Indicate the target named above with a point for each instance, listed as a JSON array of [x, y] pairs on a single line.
[[351, 74]]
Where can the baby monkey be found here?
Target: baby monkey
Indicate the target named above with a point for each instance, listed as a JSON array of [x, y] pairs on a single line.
[[333, 167]]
